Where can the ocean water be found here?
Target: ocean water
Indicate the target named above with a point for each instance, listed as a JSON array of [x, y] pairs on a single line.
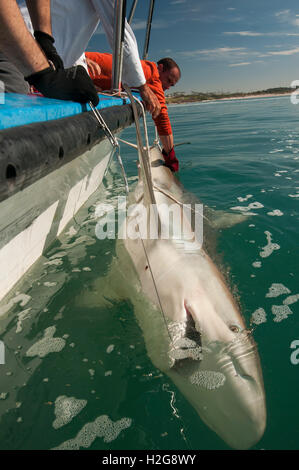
[[77, 374]]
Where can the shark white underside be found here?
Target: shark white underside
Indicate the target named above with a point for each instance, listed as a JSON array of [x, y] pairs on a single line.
[[192, 326]]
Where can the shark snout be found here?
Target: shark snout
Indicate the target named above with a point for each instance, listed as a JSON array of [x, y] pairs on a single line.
[[243, 408], [226, 388]]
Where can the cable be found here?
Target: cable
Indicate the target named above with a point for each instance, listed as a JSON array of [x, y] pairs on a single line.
[[113, 141]]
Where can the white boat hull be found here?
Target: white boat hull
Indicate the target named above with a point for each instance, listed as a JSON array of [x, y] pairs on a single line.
[[31, 219]]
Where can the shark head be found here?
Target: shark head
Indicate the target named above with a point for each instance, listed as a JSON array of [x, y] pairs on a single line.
[[221, 377], [207, 351]]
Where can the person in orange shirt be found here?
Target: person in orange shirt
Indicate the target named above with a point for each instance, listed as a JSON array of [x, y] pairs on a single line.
[[159, 77]]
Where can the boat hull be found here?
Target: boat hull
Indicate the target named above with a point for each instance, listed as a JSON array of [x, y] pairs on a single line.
[[48, 170], [31, 219]]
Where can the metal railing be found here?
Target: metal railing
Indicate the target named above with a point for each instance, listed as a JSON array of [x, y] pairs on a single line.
[[119, 36], [148, 29], [118, 43], [132, 11]]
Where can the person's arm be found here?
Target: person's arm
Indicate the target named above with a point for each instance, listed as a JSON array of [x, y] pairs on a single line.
[[132, 74], [40, 14], [150, 100], [162, 122], [17, 43], [167, 142], [94, 69], [21, 49]]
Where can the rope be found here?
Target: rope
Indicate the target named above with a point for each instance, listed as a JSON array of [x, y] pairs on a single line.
[[177, 201], [144, 159], [143, 153], [113, 141], [156, 288]]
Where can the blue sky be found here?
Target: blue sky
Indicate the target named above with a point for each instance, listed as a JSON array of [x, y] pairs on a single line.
[[222, 45]]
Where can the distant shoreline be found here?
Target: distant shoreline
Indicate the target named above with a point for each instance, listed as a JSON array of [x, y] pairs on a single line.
[[204, 98], [269, 95]]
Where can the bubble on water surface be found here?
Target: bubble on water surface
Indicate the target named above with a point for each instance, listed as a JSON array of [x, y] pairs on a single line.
[[281, 312], [257, 264], [22, 299], [110, 349], [101, 427], [243, 199], [66, 408], [208, 379], [291, 299], [54, 262], [275, 212], [184, 348], [277, 289], [46, 345], [270, 247], [259, 316], [21, 317]]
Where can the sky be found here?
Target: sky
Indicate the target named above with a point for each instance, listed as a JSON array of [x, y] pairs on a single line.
[[221, 45]]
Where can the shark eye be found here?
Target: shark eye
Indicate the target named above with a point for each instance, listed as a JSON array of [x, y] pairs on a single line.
[[235, 328]]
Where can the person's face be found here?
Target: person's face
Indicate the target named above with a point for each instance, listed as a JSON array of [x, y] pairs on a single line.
[[168, 77]]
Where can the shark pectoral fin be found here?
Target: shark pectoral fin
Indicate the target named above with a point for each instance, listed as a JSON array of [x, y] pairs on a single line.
[[104, 291], [222, 219], [99, 294]]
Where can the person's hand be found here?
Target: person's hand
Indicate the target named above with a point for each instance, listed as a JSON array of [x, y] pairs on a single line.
[[46, 42], [94, 69], [72, 84], [150, 100], [170, 160]]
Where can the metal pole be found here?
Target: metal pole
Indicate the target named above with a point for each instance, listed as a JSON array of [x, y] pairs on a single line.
[[132, 12], [118, 40], [148, 29]]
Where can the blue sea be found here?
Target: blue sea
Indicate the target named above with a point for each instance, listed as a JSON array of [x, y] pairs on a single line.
[[77, 374]]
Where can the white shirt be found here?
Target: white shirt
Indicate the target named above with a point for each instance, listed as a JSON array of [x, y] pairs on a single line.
[[73, 24], [25, 13], [75, 21]]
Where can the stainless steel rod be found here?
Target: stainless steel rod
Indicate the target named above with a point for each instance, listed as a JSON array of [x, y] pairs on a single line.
[[118, 40], [148, 29], [132, 12]]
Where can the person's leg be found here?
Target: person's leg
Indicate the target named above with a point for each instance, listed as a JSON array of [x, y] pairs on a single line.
[[11, 78]]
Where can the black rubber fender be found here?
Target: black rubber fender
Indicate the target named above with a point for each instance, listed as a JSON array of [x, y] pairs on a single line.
[[32, 151]]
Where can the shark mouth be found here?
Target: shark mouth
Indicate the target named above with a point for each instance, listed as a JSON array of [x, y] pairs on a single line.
[[186, 349]]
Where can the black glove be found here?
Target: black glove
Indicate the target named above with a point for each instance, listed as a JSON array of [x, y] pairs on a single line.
[[72, 84], [46, 43]]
